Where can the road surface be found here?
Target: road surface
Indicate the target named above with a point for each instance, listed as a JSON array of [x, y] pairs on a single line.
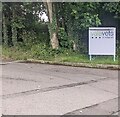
[[41, 89]]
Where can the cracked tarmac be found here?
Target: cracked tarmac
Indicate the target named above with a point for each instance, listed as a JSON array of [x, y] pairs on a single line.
[[41, 89]]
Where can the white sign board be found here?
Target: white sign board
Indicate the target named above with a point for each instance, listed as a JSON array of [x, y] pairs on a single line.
[[102, 41]]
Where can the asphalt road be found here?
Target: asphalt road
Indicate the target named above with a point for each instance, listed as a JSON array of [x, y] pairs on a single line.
[[41, 89]]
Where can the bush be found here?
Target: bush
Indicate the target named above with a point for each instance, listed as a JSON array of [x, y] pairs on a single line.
[[64, 40]]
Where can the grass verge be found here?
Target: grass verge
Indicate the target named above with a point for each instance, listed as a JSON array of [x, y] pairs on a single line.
[[39, 52]]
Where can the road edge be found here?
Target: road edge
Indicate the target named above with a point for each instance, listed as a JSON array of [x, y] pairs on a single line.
[[87, 65]]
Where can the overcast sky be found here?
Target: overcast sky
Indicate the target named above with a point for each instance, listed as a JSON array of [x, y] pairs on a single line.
[[44, 16]]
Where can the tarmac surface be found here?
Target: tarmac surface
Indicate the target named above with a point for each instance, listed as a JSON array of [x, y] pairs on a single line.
[[41, 89]]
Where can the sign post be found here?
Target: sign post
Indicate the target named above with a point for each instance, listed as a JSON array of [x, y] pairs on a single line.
[[102, 41]]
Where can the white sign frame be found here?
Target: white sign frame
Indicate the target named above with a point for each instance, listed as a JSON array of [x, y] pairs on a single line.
[[102, 41]]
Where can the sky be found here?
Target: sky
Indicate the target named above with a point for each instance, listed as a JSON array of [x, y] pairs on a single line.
[[44, 17]]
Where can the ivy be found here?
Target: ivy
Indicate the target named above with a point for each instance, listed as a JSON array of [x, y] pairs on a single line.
[[64, 40], [52, 27]]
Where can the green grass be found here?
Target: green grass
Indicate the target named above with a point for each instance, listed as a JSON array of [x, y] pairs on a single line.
[[85, 59], [41, 52]]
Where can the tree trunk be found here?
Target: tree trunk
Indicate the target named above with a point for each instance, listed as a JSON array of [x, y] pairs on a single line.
[[4, 31], [9, 34], [53, 23], [8, 18], [2, 34]]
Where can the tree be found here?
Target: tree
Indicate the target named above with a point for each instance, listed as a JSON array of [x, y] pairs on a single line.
[[8, 21], [19, 17], [113, 7], [76, 18], [51, 10]]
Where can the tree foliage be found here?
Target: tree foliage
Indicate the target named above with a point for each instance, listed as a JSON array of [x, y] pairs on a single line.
[[67, 22], [113, 7]]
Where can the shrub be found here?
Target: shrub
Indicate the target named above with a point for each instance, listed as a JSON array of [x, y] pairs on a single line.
[[64, 40]]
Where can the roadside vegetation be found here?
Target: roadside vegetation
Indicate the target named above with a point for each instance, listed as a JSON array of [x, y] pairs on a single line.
[[40, 52], [62, 38]]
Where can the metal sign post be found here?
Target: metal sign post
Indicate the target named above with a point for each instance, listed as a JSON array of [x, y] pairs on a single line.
[[102, 41]]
